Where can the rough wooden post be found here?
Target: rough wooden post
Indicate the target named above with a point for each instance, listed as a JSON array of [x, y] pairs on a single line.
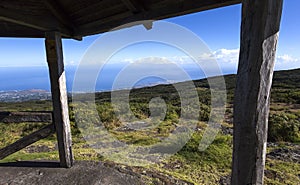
[[59, 97], [259, 35]]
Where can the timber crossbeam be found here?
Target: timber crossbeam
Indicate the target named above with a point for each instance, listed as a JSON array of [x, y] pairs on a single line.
[[27, 140], [21, 117]]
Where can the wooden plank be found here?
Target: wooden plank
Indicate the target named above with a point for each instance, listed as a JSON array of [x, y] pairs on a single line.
[[42, 24], [27, 140], [101, 22], [81, 7], [133, 6], [259, 35], [21, 117], [60, 14], [103, 14], [59, 97], [20, 19], [176, 8]]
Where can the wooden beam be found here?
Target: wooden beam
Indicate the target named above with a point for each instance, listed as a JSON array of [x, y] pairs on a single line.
[[136, 7], [101, 22], [27, 140], [44, 24], [29, 21], [60, 14], [59, 97], [21, 117], [259, 35], [174, 8], [133, 6]]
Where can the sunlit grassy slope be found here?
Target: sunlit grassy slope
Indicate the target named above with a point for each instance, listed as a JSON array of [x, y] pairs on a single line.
[[211, 166]]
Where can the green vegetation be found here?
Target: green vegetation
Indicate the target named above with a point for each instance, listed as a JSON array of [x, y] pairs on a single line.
[[210, 166], [284, 127]]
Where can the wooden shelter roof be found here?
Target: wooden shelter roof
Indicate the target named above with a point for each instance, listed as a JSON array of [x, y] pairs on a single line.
[[78, 18]]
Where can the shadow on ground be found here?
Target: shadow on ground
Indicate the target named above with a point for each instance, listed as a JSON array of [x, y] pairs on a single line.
[[48, 173]]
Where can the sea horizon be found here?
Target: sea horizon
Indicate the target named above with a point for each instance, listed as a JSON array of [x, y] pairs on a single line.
[[37, 78]]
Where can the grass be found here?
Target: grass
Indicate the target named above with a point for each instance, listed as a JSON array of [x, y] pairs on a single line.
[[24, 156], [190, 164], [205, 167], [280, 172]]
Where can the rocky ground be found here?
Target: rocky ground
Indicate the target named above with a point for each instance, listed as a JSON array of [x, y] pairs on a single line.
[[103, 173], [290, 153], [48, 173], [83, 172]]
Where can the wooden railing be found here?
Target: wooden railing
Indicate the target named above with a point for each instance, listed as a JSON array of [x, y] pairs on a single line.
[[21, 117]]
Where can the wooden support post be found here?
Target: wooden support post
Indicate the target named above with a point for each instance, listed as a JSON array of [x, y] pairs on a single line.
[[59, 97], [259, 35]]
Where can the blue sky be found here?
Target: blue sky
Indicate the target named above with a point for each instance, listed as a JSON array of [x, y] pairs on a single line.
[[218, 28]]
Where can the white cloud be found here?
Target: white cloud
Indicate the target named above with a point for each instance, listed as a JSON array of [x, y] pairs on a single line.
[[227, 60], [286, 58], [71, 63], [286, 62], [128, 60], [153, 60], [227, 55]]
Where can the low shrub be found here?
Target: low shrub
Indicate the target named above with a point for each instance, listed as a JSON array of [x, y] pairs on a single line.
[[284, 127]]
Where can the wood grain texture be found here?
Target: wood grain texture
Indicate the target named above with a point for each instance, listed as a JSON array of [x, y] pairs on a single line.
[[21, 117], [59, 97], [40, 21], [160, 10], [133, 6], [86, 17], [60, 14], [259, 35]]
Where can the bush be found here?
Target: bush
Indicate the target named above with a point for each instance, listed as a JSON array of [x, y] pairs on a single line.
[[296, 96], [204, 113], [283, 127]]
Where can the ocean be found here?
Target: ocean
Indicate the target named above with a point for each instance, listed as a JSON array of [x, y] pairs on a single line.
[[37, 77]]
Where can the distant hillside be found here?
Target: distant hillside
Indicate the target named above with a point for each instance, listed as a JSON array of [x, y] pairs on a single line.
[[286, 85], [211, 166], [287, 79], [285, 88]]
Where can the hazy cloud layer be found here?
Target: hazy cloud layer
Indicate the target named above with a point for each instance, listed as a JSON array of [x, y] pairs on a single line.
[[227, 59]]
